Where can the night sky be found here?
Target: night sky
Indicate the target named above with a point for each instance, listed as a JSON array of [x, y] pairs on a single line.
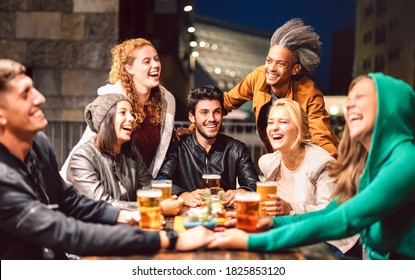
[[325, 16]]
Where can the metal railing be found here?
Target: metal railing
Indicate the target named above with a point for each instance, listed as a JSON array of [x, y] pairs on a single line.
[[65, 134]]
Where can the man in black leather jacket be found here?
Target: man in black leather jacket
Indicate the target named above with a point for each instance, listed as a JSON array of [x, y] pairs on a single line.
[[40, 215], [206, 151]]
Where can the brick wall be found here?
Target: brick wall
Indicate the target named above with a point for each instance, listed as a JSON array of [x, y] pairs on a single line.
[[65, 44]]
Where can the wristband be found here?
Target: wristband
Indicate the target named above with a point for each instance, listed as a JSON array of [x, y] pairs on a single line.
[[172, 235]]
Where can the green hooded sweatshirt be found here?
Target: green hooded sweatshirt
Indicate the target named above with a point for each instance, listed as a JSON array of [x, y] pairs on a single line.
[[383, 210]]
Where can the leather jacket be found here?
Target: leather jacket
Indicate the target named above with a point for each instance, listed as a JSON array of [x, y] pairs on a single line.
[[187, 161], [166, 131], [59, 220], [101, 177]]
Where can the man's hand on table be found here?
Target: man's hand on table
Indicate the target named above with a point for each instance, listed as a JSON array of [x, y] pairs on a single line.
[[193, 199], [171, 206]]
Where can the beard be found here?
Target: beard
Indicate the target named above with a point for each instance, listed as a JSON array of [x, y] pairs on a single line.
[[207, 135]]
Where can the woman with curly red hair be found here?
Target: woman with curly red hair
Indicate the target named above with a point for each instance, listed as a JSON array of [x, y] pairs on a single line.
[[135, 72]]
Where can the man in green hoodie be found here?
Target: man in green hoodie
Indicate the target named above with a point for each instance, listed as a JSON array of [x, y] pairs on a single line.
[[375, 196]]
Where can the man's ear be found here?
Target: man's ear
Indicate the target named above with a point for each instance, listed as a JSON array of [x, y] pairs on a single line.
[[296, 69], [191, 117]]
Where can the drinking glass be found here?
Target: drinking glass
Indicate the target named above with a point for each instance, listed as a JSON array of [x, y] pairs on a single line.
[[266, 188], [164, 185], [149, 206], [247, 210]]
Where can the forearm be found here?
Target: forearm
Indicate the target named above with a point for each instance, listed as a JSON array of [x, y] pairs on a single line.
[[86, 209]]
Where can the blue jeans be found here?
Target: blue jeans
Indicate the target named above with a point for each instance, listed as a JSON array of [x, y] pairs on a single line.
[[355, 253]]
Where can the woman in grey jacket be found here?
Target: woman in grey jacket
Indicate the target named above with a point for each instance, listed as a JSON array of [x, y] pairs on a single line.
[[109, 167]]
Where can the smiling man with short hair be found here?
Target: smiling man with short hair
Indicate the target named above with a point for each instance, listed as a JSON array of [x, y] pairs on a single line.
[[207, 151]]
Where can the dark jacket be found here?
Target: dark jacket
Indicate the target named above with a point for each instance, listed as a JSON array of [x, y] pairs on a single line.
[[63, 220], [187, 161], [101, 177]]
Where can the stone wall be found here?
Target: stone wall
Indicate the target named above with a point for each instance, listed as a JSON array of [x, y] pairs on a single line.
[[66, 46]]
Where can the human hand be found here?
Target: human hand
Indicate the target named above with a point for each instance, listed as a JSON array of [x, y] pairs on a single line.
[[194, 238], [282, 207], [128, 217], [232, 239], [171, 206], [230, 196], [263, 224], [191, 199], [232, 221], [270, 206], [180, 131]]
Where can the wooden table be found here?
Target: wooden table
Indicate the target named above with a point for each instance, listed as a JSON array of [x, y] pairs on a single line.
[[313, 252]]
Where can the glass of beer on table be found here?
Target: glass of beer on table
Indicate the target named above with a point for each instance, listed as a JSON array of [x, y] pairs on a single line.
[[149, 206], [165, 185], [212, 182], [247, 210], [266, 188]]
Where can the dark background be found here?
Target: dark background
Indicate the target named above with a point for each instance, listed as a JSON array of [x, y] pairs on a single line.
[[326, 16]]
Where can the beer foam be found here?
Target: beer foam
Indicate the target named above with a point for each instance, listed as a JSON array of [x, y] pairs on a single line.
[[210, 176], [161, 185], [149, 193], [248, 196], [267, 184]]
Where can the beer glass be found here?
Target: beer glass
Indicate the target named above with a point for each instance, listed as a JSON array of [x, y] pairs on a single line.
[[149, 206], [212, 182], [266, 188], [164, 185], [247, 210]]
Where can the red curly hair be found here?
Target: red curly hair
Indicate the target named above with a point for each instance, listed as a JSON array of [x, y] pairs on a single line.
[[123, 54]]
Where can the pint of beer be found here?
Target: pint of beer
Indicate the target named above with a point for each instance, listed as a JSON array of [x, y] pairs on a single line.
[[247, 210], [212, 182], [164, 185], [149, 207], [266, 188]]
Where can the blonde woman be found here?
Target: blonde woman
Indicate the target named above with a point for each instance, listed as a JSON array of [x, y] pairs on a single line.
[[376, 194], [299, 167]]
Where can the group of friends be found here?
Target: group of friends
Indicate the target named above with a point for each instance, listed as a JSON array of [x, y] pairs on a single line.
[[358, 195]]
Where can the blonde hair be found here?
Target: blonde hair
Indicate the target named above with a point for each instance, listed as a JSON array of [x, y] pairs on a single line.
[[122, 55], [348, 167], [9, 69], [298, 117], [351, 162]]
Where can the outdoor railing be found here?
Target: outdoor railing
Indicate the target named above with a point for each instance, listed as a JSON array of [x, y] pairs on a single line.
[[65, 134]]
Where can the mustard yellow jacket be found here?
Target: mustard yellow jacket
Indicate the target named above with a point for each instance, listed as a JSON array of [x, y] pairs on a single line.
[[303, 90]]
